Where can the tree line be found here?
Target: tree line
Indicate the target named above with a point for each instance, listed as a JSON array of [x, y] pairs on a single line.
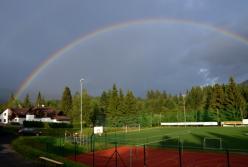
[[114, 107]]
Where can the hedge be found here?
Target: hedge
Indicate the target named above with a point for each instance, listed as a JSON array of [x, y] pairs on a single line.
[[60, 125], [33, 124]]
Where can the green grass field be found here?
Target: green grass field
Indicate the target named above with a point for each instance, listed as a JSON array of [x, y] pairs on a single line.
[[233, 138], [192, 137]]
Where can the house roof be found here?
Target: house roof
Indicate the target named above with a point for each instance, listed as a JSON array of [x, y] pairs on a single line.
[[39, 112], [18, 112], [62, 118], [43, 112]]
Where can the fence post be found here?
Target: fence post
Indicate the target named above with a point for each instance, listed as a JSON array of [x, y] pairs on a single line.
[[75, 150], [116, 158], [131, 157], [227, 156], [144, 155], [180, 154], [91, 142], [93, 150]]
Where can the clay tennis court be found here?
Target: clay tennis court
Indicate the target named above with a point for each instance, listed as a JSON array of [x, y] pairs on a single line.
[[128, 156]]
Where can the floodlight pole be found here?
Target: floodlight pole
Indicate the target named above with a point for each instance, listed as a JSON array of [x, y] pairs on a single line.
[[81, 108]]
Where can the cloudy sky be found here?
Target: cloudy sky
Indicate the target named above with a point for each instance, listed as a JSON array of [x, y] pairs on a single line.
[[168, 45]]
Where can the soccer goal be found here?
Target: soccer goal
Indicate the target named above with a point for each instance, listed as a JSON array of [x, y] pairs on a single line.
[[132, 127], [212, 143]]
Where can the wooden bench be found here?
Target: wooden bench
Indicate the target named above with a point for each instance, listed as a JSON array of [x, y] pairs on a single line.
[[51, 161]]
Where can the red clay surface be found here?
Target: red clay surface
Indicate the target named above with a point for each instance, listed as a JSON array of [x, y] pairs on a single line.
[[134, 157]]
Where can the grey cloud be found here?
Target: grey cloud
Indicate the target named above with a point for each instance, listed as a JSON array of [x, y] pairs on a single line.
[[139, 58]]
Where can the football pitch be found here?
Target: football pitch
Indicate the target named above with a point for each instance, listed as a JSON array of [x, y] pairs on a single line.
[[170, 146], [233, 138]]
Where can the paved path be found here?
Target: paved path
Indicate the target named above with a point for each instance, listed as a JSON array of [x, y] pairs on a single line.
[[8, 157]]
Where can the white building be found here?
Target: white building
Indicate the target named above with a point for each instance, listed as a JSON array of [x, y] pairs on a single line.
[[32, 114], [4, 117]]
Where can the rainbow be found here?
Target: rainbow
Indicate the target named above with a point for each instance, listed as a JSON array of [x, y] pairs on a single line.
[[117, 26]]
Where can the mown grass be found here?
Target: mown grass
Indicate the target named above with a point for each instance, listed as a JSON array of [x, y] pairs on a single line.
[[233, 138]]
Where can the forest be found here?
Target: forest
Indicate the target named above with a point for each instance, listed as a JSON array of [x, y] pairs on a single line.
[[116, 108]]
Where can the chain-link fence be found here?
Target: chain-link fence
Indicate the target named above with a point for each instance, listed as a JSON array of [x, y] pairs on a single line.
[[166, 152], [118, 149]]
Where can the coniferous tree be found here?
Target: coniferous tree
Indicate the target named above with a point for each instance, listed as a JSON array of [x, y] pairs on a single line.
[[113, 103], [3, 107], [130, 102], [195, 100], [122, 108], [244, 92], [12, 102], [233, 100], [39, 100], [94, 115], [217, 100], [86, 107], [104, 101], [53, 103], [27, 102], [76, 110], [66, 101], [131, 108]]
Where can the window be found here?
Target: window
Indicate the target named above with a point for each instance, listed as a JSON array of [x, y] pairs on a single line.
[[0, 120], [5, 114], [4, 120]]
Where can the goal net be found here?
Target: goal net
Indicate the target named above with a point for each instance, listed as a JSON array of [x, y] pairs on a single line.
[[212, 143]]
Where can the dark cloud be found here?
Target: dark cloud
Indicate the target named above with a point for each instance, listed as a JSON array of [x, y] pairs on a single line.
[[140, 58]]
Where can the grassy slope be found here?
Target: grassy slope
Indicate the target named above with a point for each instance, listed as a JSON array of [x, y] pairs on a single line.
[[34, 147]]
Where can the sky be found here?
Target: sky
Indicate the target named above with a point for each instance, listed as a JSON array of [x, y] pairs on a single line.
[[168, 45]]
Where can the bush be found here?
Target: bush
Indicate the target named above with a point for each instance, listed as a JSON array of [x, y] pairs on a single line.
[[60, 125], [33, 124], [15, 123]]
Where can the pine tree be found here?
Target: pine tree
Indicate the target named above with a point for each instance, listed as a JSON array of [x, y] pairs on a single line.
[[122, 109], [12, 102], [130, 102], [39, 100], [76, 110], [195, 98], [104, 101], [234, 102], [27, 102], [217, 100], [113, 102], [3, 107], [86, 107], [66, 101], [244, 92]]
